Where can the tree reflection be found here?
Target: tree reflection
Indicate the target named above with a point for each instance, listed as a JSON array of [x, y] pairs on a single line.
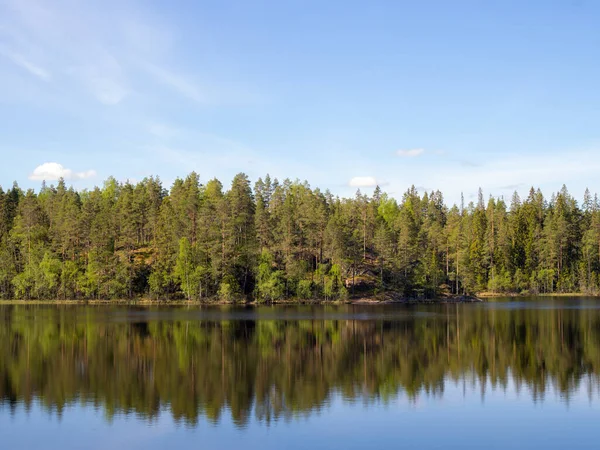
[[278, 369]]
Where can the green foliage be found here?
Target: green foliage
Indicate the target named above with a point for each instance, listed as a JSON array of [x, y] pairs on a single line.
[[500, 283], [158, 282], [229, 289], [270, 282], [50, 268], [286, 239], [333, 288], [184, 268], [388, 210], [304, 289], [68, 279]]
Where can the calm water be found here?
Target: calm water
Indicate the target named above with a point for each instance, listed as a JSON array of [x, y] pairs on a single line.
[[502, 374]]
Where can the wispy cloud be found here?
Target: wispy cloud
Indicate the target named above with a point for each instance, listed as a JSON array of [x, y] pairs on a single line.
[[512, 186], [52, 171], [103, 77], [163, 131], [410, 153], [114, 51], [24, 63], [203, 90], [509, 171], [177, 82], [74, 40], [146, 37], [467, 163]]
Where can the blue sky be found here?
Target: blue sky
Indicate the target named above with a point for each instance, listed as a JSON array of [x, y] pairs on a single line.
[[449, 95]]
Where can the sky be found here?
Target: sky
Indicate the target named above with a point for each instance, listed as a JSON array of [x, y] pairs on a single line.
[[448, 95]]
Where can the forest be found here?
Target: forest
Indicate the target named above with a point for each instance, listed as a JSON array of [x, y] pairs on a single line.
[[278, 241]]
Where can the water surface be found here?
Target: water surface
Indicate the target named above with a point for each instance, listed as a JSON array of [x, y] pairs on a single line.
[[520, 373]]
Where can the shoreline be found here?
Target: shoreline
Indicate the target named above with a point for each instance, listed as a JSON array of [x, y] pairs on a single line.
[[389, 299], [516, 295], [291, 302]]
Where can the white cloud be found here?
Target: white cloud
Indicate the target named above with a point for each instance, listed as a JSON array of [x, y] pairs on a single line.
[[363, 182], [24, 63], [52, 171], [410, 153]]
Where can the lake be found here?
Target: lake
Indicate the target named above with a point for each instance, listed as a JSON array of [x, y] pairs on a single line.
[[508, 373]]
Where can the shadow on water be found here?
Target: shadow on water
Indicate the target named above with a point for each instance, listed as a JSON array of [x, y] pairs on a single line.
[[281, 363]]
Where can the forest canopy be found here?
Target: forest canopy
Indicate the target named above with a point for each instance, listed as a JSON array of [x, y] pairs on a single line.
[[285, 240]]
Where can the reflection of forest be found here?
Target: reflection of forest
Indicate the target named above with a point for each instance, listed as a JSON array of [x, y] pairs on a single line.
[[278, 368]]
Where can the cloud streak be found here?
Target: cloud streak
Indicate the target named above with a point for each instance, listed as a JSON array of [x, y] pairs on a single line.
[[114, 51], [103, 78], [24, 63], [75, 40], [175, 81], [410, 153], [163, 131], [52, 171], [467, 163]]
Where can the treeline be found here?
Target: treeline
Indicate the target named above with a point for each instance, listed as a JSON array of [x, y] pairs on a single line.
[[280, 369], [285, 240]]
